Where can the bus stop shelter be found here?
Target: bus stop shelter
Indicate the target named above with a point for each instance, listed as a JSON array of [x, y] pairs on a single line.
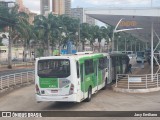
[[143, 23]]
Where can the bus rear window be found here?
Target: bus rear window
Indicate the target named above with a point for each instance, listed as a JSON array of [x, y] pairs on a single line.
[[54, 68]]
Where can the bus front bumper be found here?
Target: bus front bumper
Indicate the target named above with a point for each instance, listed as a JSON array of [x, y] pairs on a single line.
[[68, 98]]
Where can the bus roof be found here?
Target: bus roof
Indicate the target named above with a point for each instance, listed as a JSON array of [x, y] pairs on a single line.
[[76, 56], [80, 56]]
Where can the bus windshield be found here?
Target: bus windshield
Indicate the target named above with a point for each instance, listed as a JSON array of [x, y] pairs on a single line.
[[54, 68]]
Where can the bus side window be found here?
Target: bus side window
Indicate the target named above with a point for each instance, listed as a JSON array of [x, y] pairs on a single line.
[[101, 64], [77, 64], [89, 67], [81, 72], [105, 62]]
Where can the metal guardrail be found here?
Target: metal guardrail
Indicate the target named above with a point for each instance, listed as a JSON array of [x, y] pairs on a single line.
[[16, 79], [138, 81]]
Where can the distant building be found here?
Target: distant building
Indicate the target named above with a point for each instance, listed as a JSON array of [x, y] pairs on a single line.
[[22, 8], [44, 6], [6, 3], [58, 7], [20, 4], [3, 3], [79, 14], [68, 7], [31, 17]]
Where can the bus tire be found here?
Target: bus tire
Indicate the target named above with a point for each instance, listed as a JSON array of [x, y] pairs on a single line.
[[105, 86], [88, 99]]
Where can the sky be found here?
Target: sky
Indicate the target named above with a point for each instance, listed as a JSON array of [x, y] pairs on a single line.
[[34, 5]]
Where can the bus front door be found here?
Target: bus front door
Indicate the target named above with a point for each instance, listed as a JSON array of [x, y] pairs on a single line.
[[82, 81]]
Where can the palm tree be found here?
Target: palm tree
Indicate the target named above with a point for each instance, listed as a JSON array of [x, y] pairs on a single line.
[[110, 32], [84, 28], [24, 32], [14, 20], [103, 35], [91, 36], [44, 25], [70, 27]]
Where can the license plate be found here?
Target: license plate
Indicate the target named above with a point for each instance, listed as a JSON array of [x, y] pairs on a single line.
[[54, 91]]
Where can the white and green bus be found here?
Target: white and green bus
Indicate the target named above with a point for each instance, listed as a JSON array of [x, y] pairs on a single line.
[[74, 78]]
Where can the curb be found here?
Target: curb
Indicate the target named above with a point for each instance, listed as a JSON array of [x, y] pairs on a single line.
[[135, 90]]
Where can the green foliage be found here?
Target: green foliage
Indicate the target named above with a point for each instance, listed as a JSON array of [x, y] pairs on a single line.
[[1, 41], [4, 14], [55, 29], [39, 52]]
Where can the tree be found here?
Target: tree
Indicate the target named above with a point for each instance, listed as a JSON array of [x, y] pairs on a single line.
[[10, 17], [91, 36], [44, 25], [70, 27], [84, 28]]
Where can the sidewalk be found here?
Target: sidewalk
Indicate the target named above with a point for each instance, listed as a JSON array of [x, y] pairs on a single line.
[[15, 68]]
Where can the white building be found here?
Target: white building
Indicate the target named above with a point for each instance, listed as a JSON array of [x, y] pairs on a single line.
[[80, 14]]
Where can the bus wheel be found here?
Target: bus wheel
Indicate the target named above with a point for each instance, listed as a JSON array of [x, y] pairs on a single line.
[[105, 86], [89, 94]]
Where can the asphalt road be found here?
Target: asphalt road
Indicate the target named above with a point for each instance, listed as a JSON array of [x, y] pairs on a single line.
[[105, 100], [23, 99]]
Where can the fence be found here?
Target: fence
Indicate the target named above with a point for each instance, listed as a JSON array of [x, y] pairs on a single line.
[[137, 81], [11, 80]]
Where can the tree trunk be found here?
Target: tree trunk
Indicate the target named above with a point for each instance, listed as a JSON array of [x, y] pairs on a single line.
[[25, 54], [77, 45], [99, 46], [10, 54], [83, 46], [52, 50], [59, 48], [30, 53], [91, 45], [48, 46]]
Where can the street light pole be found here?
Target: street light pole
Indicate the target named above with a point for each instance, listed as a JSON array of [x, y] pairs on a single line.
[[122, 30], [114, 31]]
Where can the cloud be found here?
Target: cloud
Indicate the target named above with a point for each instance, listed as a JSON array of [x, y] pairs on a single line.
[[116, 2], [33, 5]]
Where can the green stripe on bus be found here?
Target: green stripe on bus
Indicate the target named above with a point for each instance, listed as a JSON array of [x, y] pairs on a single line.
[[48, 82], [81, 60]]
